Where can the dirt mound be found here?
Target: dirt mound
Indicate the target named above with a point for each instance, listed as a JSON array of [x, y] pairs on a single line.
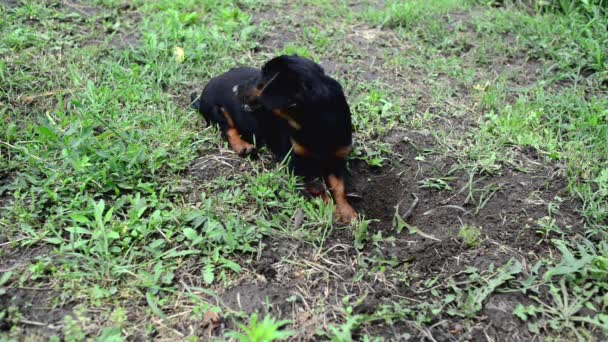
[[508, 210]]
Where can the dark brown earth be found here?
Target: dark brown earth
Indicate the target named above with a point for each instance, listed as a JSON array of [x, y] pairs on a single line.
[[10, 3], [38, 308], [507, 225]]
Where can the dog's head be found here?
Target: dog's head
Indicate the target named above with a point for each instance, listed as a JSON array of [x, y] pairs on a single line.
[[286, 82]]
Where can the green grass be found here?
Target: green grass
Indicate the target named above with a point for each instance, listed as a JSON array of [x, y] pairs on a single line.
[[97, 142], [95, 166], [265, 331], [406, 14]]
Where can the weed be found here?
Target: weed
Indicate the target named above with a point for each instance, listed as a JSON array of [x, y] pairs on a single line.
[[436, 184], [266, 330], [469, 302], [361, 233], [345, 331], [546, 226], [470, 235], [410, 13]]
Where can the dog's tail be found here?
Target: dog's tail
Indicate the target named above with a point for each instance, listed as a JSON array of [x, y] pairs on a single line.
[[195, 101]]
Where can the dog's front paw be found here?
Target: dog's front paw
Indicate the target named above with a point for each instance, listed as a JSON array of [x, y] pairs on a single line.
[[244, 148], [345, 213]]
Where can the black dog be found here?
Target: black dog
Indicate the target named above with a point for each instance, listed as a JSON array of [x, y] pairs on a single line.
[[288, 105]]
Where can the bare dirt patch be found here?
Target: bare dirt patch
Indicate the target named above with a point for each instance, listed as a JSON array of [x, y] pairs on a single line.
[[262, 299], [15, 258], [10, 4], [38, 311], [505, 207], [41, 311], [214, 164], [122, 34]]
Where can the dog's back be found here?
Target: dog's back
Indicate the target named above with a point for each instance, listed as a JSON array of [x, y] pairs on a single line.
[[218, 98]]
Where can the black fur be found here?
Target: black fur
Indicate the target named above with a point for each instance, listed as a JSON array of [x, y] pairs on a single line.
[[312, 108]]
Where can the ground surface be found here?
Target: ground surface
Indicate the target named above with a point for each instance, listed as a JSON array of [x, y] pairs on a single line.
[[479, 170]]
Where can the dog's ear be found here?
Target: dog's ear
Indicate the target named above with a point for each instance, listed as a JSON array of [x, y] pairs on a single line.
[[275, 65]]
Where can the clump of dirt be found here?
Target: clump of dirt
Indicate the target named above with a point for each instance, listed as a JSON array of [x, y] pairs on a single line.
[[10, 4], [261, 299], [125, 35], [38, 308], [215, 164]]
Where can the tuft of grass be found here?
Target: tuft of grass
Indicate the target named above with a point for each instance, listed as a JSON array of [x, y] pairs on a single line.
[[470, 235], [406, 14], [266, 330], [570, 34]]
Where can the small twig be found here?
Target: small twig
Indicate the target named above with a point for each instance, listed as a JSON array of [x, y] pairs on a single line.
[[409, 211], [354, 195], [451, 206], [35, 288], [268, 83], [24, 150], [38, 324], [298, 218], [75, 7], [425, 332], [8, 269], [30, 98], [407, 298], [108, 126], [13, 241], [321, 267]]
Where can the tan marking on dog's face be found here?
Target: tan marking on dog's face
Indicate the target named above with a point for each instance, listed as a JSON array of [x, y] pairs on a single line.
[[285, 115], [256, 92]]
